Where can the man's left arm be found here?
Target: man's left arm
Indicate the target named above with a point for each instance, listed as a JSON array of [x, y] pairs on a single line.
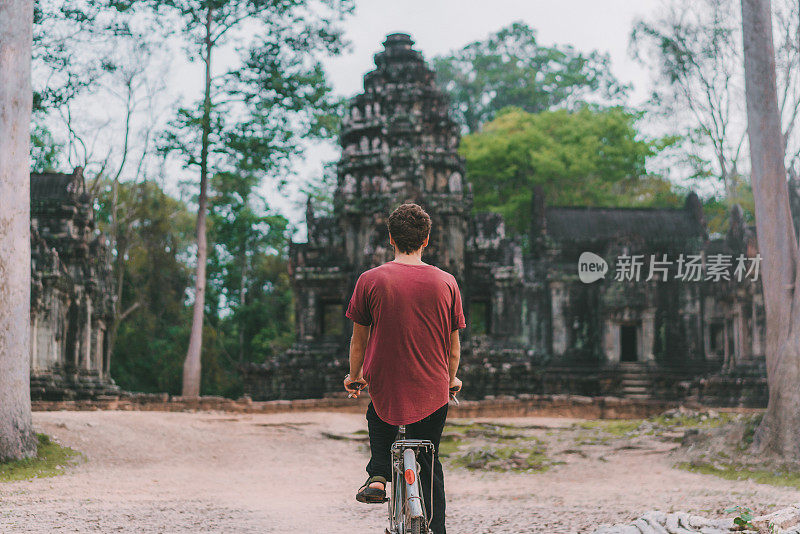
[[456, 323], [453, 360]]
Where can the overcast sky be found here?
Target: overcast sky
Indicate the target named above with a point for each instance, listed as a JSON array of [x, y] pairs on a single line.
[[439, 26]]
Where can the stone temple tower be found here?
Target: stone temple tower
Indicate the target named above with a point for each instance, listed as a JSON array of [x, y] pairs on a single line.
[[399, 144]]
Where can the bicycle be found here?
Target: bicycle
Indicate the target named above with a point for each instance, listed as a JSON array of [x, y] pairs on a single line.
[[407, 514]]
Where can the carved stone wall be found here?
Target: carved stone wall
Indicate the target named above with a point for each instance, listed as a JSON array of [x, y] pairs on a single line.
[[71, 303]]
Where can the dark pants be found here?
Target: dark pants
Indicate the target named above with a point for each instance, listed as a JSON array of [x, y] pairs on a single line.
[[381, 437]]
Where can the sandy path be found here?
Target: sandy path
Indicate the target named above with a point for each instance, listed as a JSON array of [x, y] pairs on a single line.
[[150, 472]]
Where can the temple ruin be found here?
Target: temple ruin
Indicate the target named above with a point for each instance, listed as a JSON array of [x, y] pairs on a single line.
[[533, 326], [71, 292]]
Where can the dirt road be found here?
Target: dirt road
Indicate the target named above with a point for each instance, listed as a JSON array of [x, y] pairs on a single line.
[[151, 472]]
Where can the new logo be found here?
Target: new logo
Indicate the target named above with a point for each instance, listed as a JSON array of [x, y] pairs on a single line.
[[591, 267]]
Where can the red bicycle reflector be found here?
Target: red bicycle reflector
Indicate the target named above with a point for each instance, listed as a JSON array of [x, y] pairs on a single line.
[[410, 476]]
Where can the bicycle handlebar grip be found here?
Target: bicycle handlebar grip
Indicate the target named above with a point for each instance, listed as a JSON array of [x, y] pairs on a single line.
[[359, 387]]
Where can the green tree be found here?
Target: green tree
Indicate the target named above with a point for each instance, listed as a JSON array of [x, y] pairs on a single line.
[[45, 151], [694, 48], [245, 233], [251, 115], [511, 68], [587, 157], [151, 324]]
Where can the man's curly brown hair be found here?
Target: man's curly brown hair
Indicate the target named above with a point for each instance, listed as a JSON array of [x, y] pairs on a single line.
[[409, 225]]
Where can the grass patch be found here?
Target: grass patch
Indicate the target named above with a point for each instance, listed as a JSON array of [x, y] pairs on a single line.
[[449, 445], [592, 440], [615, 427], [492, 431], [741, 472], [523, 455], [750, 431], [655, 426], [694, 420], [51, 460]]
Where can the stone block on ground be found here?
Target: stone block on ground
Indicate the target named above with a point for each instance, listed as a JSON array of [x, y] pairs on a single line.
[[655, 522], [785, 520]]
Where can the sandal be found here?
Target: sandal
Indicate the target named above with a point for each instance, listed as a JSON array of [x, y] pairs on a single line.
[[372, 495]]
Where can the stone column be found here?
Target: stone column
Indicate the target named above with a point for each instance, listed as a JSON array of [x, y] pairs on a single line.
[[87, 340], [706, 328], [647, 335], [611, 341], [738, 328], [557, 299]]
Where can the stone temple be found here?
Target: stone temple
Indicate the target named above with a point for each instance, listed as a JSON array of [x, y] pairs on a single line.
[[532, 325], [71, 303]]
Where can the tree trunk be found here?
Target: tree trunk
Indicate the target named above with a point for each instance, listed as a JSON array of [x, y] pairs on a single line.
[[192, 365], [16, 25], [242, 303], [777, 244]]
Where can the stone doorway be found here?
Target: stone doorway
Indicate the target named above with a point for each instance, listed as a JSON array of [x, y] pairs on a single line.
[[628, 343]]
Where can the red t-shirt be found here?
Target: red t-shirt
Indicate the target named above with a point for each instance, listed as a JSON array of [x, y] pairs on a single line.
[[412, 310]]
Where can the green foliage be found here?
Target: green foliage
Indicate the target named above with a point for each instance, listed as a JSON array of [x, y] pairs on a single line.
[[717, 209], [249, 283], [587, 157], [250, 125], [510, 68], [263, 109], [44, 149], [743, 520], [153, 238], [51, 459]]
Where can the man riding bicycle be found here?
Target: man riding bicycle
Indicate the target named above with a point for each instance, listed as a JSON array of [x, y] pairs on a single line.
[[406, 315]]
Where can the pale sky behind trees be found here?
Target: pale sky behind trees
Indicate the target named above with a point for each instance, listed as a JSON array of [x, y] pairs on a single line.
[[439, 26]]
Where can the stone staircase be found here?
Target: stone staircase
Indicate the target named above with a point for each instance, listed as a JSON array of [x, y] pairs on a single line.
[[636, 383]]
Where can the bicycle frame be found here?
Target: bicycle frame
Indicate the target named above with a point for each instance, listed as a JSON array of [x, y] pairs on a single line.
[[406, 499]]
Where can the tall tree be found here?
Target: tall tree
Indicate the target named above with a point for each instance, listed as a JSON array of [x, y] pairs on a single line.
[[777, 242], [511, 68], [252, 114], [694, 48], [583, 158], [16, 26]]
